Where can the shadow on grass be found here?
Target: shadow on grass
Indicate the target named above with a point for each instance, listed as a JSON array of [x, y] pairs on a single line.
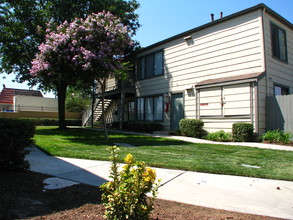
[[96, 137]]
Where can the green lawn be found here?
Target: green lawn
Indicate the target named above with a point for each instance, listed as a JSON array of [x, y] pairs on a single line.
[[168, 153]]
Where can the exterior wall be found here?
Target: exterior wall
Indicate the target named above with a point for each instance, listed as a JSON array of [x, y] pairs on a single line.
[[221, 106], [6, 107], [230, 48], [261, 105], [110, 84], [31, 103], [279, 72], [32, 114]]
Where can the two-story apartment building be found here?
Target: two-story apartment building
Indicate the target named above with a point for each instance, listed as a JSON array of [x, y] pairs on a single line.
[[220, 72]]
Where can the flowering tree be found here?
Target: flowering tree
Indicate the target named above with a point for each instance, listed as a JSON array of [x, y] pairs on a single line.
[[77, 53]]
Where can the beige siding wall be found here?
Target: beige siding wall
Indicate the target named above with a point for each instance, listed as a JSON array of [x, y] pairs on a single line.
[[110, 84], [261, 102], [32, 103], [230, 48], [279, 72]]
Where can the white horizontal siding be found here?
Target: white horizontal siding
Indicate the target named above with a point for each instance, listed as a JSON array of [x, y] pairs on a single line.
[[110, 83], [213, 125], [261, 105], [230, 48], [278, 72], [226, 49]]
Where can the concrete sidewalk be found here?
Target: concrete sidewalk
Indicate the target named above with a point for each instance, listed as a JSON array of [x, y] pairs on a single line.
[[242, 194]]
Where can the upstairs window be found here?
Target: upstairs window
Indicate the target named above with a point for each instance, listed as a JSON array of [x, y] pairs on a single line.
[[151, 65], [281, 90], [279, 46]]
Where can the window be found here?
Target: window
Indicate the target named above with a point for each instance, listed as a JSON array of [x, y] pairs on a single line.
[[140, 109], [151, 65], [141, 68], [158, 66], [131, 111], [280, 90], [150, 108], [279, 47], [158, 108]]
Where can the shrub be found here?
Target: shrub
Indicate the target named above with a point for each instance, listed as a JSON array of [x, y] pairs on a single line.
[[15, 136], [98, 124], [242, 132], [219, 136], [125, 196], [192, 127], [277, 136], [143, 126], [55, 122]]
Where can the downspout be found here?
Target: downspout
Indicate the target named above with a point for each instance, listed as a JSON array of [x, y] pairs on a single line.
[[265, 67], [264, 45]]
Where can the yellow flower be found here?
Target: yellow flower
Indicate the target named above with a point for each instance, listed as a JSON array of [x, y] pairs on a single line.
[[149, 174], [129, 159]]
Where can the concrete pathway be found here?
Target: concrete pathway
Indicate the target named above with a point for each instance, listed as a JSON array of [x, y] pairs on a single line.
[[242, 194]]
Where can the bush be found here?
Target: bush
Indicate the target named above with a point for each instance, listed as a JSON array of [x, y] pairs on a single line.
[[55, 122], [242, 132], [125, 197], [191, 127], [15, 136], [219, 136], [98, 124], [277, 136], [143, 126]]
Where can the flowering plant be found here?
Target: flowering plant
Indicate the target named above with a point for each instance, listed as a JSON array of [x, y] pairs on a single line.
[[125, 197], [79, 53], [83, 46]]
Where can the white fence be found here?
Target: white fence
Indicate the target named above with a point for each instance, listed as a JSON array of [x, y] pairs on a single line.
[[280, 113]]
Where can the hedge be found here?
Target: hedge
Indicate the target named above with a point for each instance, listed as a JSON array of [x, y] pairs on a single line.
[[15, 137], [143, 126], [192, 127], [242, 132]]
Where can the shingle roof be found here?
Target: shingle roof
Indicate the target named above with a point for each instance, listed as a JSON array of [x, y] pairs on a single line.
[[7, 94]]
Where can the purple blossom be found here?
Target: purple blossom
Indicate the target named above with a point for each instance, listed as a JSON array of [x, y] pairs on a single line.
[[96, 42]]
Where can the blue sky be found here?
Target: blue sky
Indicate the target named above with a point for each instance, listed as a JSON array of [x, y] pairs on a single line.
[[161, 19]]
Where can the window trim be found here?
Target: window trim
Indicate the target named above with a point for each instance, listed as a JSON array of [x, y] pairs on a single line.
[[272, 25], [153, 75], [153, 108]]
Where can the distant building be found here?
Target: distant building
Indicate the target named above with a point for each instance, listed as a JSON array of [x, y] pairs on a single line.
[[25, 100]]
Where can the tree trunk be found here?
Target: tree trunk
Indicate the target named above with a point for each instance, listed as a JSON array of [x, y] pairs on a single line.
[[93, 104], [61, 92], [103, 84]]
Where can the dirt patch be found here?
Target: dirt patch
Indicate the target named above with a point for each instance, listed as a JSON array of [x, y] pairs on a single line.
[[23, 197]]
